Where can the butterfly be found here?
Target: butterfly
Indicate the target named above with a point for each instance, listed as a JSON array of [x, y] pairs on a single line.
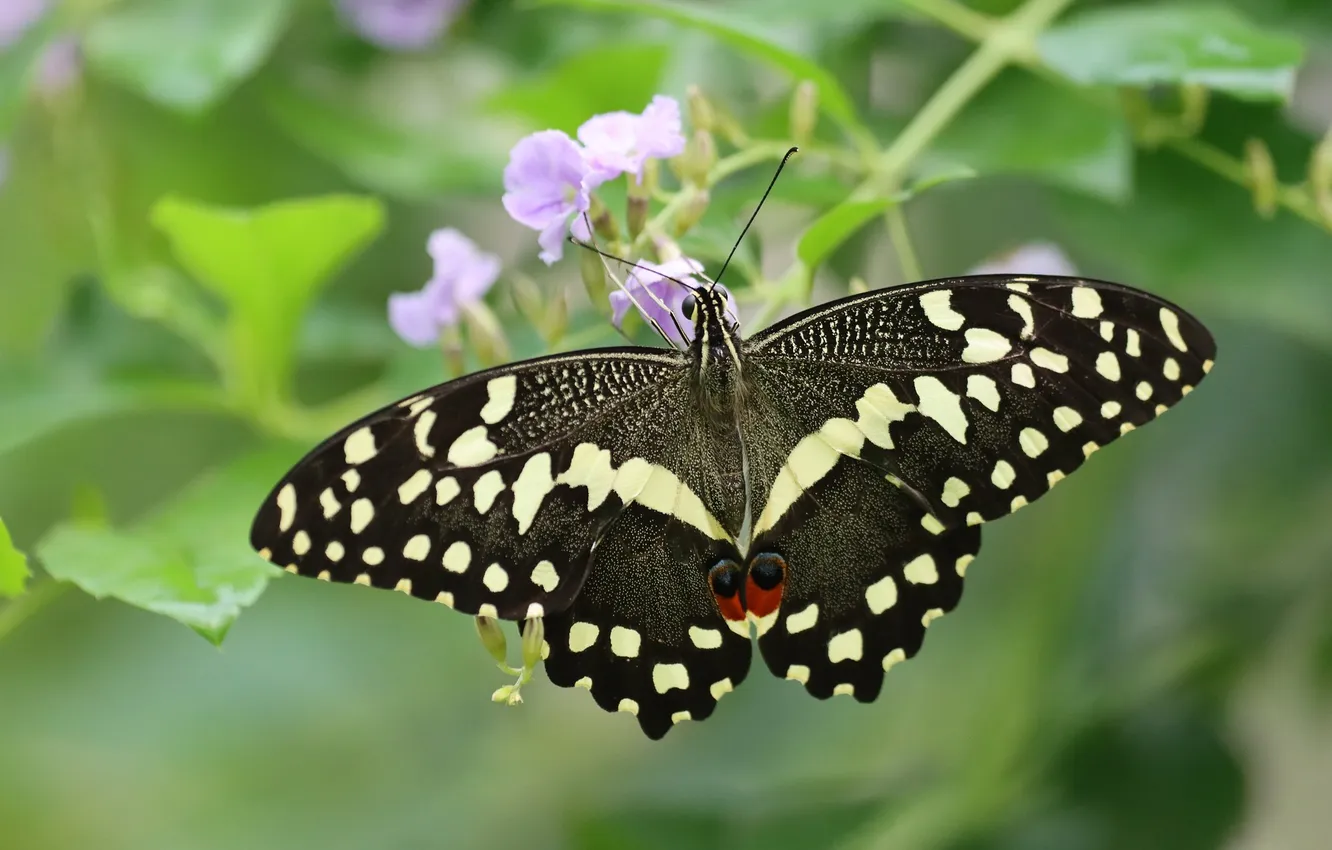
[[820, 484]]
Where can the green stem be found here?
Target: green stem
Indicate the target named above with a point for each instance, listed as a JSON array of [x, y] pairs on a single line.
[[895, 219], [17, 612], [1295, 199]]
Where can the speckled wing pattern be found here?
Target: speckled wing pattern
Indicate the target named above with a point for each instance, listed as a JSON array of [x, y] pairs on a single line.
[[909, 417], [512, 492], [866, 441]]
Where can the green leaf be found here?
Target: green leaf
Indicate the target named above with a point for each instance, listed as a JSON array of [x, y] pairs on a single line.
[[192, 562], [1023, 125], [13, 566], [565, 96], [1153, 44], [745, 35], [184, 54], [829, 231], [267, 264]]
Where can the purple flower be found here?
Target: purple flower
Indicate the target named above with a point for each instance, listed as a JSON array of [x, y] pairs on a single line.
[[652, 279], [463, 273], [400, 24], [1032, 258], [16, 16], [620, 143], [545, 183]]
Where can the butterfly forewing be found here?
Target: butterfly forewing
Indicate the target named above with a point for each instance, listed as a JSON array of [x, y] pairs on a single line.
[[884, 427]]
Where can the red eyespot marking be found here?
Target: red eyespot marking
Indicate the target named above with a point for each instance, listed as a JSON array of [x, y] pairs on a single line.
[[764, 583], [725, 578]]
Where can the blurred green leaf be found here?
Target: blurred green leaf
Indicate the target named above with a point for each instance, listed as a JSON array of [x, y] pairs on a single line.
[[1164, 43], [1023, 125], [184, 54], [344, 120], [831, 230], [744, 34], [267, 265], [13, 566], [592, 81], [191, 562], [16, 61]]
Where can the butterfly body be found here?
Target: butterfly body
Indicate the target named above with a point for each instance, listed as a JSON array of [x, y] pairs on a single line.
[[821, 483]]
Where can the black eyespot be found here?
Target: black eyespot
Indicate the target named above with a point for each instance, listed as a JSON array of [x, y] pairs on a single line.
[[767, 570], [688, 306], [725, 578]]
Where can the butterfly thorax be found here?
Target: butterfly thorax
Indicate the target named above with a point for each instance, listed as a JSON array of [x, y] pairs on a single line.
[[716, 363]]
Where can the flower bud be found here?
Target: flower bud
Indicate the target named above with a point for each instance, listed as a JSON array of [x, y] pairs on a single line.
[[485, 334], [534, 638], [555, 320], [593, 272], [502, 694], [603, 223], [699, 157], [492, 638], [693, 211], [527, 298], [1320, 177], [1262, 177], [637, 214], [857, 285], [700, 110], [804, 111]]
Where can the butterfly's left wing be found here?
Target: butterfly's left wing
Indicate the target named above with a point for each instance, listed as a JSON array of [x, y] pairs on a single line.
[[884, 428]]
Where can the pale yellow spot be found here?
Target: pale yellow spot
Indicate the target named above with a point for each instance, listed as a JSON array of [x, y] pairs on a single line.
[[472, 447], [931, 523], [1107, 330], [300, 543], [413, 487], [1143, 391], [293, 569], [266, 553], [680, 717], [1066, 419], [1020, 306], [921, 570], [351, 479], [363, 578], [803, 620], [1023, 376], [625, 642], [668, 676], [328, 500], [974, 518], [892, 659], [1110, 409], [496, 578], [1207, 367], [444, 598], [373, 555], [845, 689], [705, 638], [939, 310], [1126, 427], [1161, 408], [334, 551], [324, 575], [530, 489], [458, 557], [359, 446], [954, 491], [942, 405], [1090, 448], [1171, 369], [582, 635], [1017, 503], [421, 433], [628, 706], [362, 511], [1170, 324], [985, 390], [535, 611], [985, 346], [417, 548], [1054, 477], [1004, 475], [1049, 360], [930, 616], [585, 683], [545, 577], [286, 502], [847, 646], [962, 564], [487, 610], [798, 673], [1107, 365], [404, 585], [501, 391], [1033, 442], [446, 489], [721, 688], [1086, 302]]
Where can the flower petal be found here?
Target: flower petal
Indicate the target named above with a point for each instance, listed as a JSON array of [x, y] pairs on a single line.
[[412, 317]]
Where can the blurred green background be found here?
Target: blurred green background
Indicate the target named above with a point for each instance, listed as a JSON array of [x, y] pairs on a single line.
[[1143, 660]]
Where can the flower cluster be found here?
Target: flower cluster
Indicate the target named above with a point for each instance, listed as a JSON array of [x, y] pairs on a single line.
[[660, 297], [550, 177]]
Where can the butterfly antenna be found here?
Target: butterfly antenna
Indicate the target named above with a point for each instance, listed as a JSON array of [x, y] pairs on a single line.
[[619, 283], [771, 183]]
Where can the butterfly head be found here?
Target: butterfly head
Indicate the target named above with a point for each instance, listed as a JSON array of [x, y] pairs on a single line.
[[708, 308]]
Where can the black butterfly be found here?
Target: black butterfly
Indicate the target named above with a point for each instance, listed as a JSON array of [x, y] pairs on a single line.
[[856, 447]]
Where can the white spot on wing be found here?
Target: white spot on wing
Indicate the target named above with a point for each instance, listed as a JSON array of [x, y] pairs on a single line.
[[582, 635], [1066, 419], [545, 577], [798, 673], [985, 346], [1086, 302], [286, 502], [328, 500], [417, 548], [351, 479], [458, 557], [943, 406], [1170, 324], [1033, 442], [846, 646], [1023, 376], [881, 595], [721, 688], [334, 551], [362, 511], [668, 676], [1019, 305], [530, 490], [472, 447], [359, 446], [300, 543], [446, 489], [1171, 369], [1107, 365], [413, 487], [625, 642], [985, 390], [495, 578], [373, 555], [705, 638], [590, 467], [1110, 409], [501, 392], [892, 659], [486, 488], [1132, 345], [1003, 475], [1047, 359], [939, 310], [803, 620], [879, 407], [954, 491], [921, 570], [421, 432]]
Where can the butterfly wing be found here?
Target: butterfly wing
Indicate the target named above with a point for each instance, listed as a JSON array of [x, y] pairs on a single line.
[[510, 492], [926, 410]]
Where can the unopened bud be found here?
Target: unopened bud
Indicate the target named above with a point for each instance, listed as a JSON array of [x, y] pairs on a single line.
[[1262, 177], [1320, 177], [527, 298], [804, 111], [857, 285], [503, 694], [647, 185], [450, 345], [603, 223], [638, 215], [594, 280], [534, 639], [699, 157], [485, 334], [700, 110], [492, 638], [555, 320], [693, 211]]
